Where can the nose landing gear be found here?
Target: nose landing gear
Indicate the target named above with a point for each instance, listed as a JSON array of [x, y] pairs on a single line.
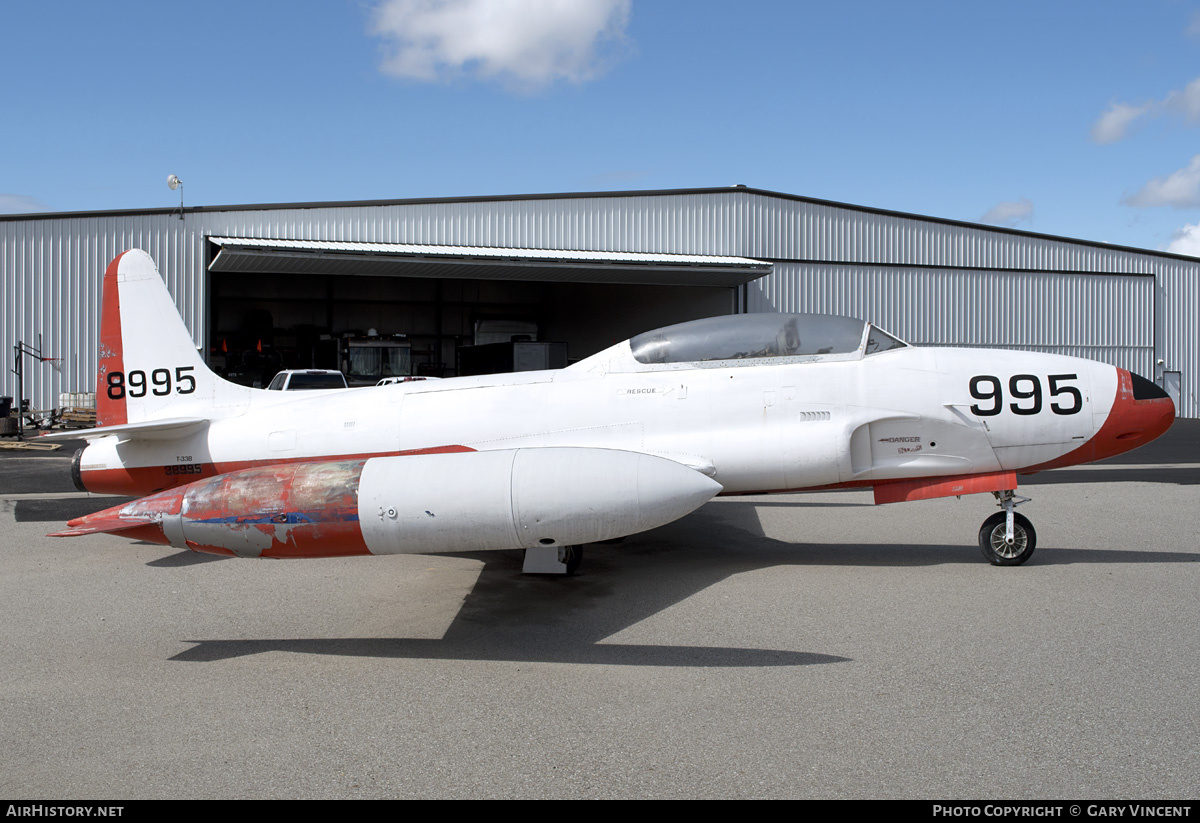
[[1007, 538]]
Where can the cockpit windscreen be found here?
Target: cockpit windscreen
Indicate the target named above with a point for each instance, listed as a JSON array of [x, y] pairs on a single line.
[[742, 336], [879, 340]]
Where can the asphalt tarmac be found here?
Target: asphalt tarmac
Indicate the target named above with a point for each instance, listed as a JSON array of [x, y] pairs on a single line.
[[790, 646]]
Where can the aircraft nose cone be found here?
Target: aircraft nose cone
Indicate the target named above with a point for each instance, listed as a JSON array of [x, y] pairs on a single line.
[[1141, 412]]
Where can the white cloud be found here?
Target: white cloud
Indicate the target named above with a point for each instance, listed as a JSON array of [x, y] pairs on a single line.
[[21, 204], [525, 44], [1186, 241], [1010, 213], [1114, 123], [1180, 189]]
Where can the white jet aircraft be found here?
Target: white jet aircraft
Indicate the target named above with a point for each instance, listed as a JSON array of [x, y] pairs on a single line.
[[629, 439]]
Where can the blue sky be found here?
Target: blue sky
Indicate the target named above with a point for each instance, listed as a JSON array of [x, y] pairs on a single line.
[[1070, 118]]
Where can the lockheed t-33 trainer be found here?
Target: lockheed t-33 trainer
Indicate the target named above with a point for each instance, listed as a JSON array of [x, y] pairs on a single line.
[[626, 440]]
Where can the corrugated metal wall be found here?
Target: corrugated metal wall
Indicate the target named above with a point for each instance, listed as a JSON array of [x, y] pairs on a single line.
[[1179, 330], [799, 230], [1098, 316], [928, 281]]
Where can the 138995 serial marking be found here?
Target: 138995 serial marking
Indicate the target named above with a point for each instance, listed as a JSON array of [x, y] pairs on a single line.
[[161, 382], [185, 468]]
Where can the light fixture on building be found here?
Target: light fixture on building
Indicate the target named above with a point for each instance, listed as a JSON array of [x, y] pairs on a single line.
[[173, 183]]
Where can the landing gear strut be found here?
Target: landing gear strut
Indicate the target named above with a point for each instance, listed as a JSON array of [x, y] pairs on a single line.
[[552, 560], [1007, 538]]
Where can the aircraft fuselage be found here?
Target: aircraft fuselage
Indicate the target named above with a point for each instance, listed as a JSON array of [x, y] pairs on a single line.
[[907, 413]]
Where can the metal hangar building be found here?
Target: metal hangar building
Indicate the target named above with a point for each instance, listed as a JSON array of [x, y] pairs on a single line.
[[279, 285]]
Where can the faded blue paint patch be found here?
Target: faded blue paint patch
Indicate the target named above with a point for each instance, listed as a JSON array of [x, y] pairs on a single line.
[[279, 519]]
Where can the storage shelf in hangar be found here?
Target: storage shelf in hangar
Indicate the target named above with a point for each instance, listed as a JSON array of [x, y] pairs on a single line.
[[435, 294]]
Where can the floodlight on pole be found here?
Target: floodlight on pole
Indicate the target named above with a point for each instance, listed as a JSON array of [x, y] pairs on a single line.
[[174, 183]]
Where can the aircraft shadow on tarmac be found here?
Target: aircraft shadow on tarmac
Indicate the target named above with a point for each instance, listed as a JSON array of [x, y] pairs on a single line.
[[509, 616]]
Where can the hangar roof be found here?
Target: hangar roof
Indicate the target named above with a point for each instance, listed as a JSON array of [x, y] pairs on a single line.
[[1001, 230]]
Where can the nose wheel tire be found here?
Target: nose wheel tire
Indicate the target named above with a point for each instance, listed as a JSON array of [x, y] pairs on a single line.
[[997, 550]]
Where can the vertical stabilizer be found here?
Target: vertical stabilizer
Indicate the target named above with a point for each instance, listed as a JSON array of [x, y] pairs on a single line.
[[149, 366]]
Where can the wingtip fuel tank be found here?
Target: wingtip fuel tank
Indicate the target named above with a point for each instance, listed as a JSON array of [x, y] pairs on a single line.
[[503, 499]]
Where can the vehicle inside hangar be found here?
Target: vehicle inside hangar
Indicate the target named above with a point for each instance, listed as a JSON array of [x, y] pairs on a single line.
[[378, 311]]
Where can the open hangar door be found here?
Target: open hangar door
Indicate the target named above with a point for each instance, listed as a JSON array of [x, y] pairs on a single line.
[[391, 309]]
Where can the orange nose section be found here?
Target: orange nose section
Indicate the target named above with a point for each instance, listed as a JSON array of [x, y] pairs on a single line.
[[1141, 412]]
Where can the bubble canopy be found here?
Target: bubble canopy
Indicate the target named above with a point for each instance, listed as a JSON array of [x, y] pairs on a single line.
[[755, 336]]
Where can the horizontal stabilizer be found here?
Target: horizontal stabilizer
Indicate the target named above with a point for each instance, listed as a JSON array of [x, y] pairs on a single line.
[[167, 429]]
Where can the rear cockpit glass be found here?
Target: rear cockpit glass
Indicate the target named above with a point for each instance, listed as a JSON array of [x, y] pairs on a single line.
[[744, 336]]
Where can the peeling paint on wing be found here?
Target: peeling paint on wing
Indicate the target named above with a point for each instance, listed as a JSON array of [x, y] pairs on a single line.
[[291, 510], [244, 541], [268, 535]]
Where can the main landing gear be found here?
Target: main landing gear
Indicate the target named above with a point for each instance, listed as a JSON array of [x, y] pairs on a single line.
[[552, 560], [1007, 538]]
